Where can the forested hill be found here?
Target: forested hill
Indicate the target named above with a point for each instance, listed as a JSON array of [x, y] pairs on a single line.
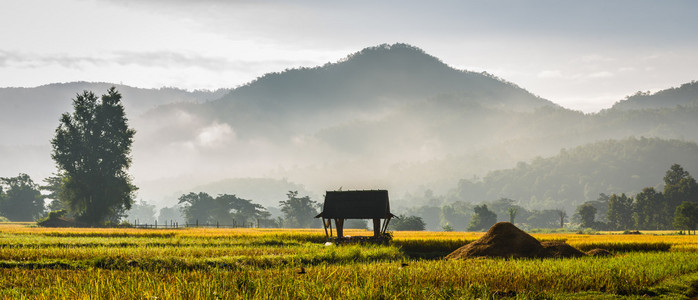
[[685, 95], [582, 173], [386, 117], [363, 85], [374, 77]]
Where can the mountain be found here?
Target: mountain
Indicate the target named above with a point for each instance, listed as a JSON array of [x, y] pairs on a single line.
[[686, 95], [387, 117], [365, 84], [349, 123], [582, 173]]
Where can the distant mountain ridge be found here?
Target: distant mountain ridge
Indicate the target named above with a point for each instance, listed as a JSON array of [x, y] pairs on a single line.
[[363, 84], [399, 72], [685, 95], [386, 117]]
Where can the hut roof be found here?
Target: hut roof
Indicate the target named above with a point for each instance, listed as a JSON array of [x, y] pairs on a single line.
[[373, 204]]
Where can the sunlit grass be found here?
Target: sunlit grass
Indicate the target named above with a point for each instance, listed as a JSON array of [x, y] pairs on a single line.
[[211, 263]]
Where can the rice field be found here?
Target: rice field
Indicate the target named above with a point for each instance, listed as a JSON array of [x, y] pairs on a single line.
[[99, 263]]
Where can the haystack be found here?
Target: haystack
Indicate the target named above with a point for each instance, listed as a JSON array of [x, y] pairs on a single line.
[[599, 252], [560, 249], [507, 241]]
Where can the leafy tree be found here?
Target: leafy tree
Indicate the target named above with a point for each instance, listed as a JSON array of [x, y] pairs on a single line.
[[675, 174], [482, 219], [601, 205], [197, 208], [22, 200], [171, 214], [502, 206], [620, 212], [457, 215], [686, 216], [447, 227], [431, 215], [241, 211], [299, 212], [587, 213], [407, 223], [679, 186], [142, 212], [92, 147], [649, 209], [225, 209], [54, 187]]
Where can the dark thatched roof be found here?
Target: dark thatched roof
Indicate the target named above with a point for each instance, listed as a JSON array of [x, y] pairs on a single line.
[[372, 204]]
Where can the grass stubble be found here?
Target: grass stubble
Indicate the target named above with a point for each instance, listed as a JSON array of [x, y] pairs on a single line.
[[40, 263]]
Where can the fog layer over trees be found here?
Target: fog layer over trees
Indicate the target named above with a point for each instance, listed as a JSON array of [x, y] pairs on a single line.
[[389, 117]]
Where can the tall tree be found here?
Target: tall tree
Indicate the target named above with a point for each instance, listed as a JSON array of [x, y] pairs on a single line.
[[224, 209], [620, 212], [587, 214], [22, 200], [482, 219], [92, 147], [299, 212], [170, 215], [141, 212], [457, 214], [679, 186], [54, 187], [686, 216], [243, 211], [649, 209], [197, 208]]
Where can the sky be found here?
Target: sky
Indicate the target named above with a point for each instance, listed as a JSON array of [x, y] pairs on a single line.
[[583, 55]]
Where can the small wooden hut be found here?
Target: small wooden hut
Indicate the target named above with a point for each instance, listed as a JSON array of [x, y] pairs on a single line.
[[342, 205]]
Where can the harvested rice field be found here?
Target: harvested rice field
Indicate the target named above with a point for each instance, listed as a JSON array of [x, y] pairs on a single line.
[[100, 263]]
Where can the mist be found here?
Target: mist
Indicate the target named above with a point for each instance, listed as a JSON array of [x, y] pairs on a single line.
[[388, 117]]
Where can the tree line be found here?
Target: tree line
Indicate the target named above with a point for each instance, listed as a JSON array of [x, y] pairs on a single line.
[[676, 207], [580, 174], [91, 149]]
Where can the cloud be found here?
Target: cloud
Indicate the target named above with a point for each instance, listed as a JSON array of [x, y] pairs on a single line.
[[550, 74], [30, 60], [162, 59], [602, 74], [215, 135]]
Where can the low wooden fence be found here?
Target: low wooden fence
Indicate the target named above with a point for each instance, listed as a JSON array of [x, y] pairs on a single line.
[[174, 225]]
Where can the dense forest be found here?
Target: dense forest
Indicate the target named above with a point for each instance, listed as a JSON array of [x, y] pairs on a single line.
[[544, 188], [582, 173]]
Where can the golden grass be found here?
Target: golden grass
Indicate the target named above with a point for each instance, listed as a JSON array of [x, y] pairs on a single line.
[[210, 263]]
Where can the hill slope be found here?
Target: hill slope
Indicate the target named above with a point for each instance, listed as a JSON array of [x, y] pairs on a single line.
[[363, 85], [685, 95], [388, 117], [582, 173]]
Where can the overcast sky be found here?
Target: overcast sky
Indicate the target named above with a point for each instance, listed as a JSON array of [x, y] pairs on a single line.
[[584, 55]]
